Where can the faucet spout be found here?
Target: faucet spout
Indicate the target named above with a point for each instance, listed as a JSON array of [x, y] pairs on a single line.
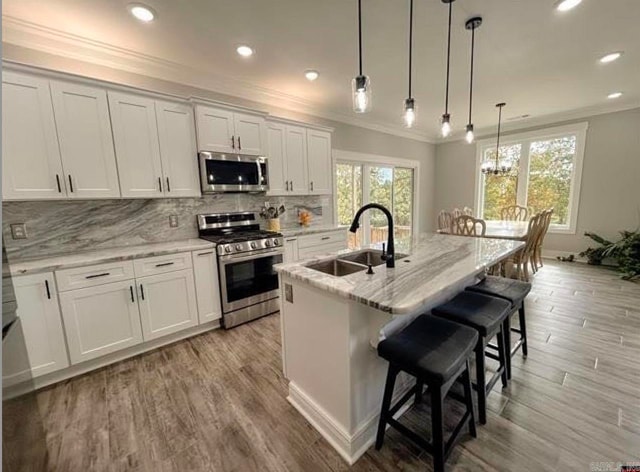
[[355, 224]]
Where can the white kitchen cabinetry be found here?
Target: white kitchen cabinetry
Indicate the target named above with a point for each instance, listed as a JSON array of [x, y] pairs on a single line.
[[100, 320], [319, 162], [205, 268], [86, 143], [42, 327], [224, 130], [296, 162], [178, 151], [290, 250], [321, 243], [276, 159], [167, 303], [31, 165]]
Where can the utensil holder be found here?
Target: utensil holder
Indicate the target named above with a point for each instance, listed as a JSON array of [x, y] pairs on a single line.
[[273, 224]]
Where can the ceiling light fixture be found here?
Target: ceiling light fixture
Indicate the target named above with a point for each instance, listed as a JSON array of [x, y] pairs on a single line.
[[500, 167], [446, 118], [471, 24], [361, 85], [610, 57], [311, 75], [245, 51], [142, 12], [409, 102], [615, 95], [566, 5]]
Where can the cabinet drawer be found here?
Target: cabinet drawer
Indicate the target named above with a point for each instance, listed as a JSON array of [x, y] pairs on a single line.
[[312, 240], [90, 276], [303, 253], [162, 264]]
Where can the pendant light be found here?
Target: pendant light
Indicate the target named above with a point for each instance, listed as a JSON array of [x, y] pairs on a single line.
[[409, 102], [500, 167], [471, 24], [360, 85], [446, 118]]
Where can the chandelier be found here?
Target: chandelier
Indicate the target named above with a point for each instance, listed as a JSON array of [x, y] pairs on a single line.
[[499, 166]]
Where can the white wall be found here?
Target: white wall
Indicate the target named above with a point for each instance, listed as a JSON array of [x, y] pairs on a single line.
[[610, 193], [345, 137]]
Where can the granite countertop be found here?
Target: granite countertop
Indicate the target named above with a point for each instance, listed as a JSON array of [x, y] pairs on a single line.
[[436, 262], [79, 259], [291, 232]]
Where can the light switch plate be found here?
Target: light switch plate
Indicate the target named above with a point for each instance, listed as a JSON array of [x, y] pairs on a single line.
[[173, 221], [19, 231]]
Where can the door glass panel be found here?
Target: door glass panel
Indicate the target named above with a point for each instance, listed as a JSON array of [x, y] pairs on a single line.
[[402, 204], [500, 191], [381, 192], [232, 173], [253, 277], [349, 186]]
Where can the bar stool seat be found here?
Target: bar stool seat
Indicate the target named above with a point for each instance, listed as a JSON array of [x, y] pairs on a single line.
[[436, 352], [487, 315]]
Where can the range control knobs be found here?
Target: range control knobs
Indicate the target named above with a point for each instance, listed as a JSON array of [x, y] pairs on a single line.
[[227, 248], [276, 242], [238, 247], [267, 243], [253, 245]]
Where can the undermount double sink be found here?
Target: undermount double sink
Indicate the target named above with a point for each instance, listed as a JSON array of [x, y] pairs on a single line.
[[351, 263]]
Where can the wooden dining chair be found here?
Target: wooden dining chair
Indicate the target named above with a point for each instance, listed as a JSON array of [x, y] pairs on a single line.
[[536, 255], [444, 221], [514, 213], [522, 258], [457, 212], [467, 211], [466, 225]]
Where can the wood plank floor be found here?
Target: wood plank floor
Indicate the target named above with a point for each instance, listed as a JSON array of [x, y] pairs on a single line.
[[217, 401]]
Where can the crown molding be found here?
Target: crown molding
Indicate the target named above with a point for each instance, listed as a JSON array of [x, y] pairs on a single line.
[[59, 43]]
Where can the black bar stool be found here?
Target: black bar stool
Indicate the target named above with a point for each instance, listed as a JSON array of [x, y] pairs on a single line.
[[436, 352], [487, 316], [514, 291]]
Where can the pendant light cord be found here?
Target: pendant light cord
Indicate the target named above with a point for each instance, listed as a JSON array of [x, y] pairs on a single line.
[[410, 43], [498, 140], [446, 100], [473, 40], [360, 35]]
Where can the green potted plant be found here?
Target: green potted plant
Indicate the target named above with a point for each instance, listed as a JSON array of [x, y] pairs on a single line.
[[626, 252]]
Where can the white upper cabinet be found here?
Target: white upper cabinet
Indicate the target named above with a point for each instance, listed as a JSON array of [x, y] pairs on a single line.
[[319, 162], [222, 130], [276, 159], [135, 133], [31, 165], [178, 149], [296, 152], [86, 144]]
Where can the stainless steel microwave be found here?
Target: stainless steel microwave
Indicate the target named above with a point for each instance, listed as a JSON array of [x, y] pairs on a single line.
[[224, 172]]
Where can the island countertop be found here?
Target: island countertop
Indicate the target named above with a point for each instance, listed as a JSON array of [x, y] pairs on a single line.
[[436, 262]]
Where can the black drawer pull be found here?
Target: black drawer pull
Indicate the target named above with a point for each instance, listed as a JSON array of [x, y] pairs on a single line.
[[325, 238], [205, 253], [291, 240], [94, 276], [70, 183], [58, 183], [164, 264], [133, 300], [142, 291], [46, 285]]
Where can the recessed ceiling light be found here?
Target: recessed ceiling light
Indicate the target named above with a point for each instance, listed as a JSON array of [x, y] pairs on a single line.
[[142, 12], [566, 5], [611, 57], [615, 95], [311, 75], [245, 51]]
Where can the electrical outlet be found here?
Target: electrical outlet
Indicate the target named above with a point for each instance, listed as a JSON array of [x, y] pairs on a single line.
[[173, 221], [19, 231]]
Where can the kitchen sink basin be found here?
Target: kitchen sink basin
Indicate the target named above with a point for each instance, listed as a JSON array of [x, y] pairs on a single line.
[[369, 257], [337, 267]]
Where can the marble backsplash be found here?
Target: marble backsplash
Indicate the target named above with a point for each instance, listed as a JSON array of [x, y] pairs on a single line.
[[59, 227]]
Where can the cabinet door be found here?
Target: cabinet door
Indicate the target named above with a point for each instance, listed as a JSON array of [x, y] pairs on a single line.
[[250, 134], [205, 269], [296, 152], [167, 303], [31, 166], [42, 327], [100, 320], [178, 149], [215, 129], [290, 250], [86, 144], [319, 162], [276, 159], [135, 134]]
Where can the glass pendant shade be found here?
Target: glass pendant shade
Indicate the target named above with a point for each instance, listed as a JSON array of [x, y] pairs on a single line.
[[409, 112], [361, 87], [469, 135], [446, 125]]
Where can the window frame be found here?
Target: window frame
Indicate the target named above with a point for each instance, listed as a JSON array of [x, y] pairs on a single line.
[[579, 130], [375, 160]]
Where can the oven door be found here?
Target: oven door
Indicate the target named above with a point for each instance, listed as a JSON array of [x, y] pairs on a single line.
[[221, 172], [248, 279]]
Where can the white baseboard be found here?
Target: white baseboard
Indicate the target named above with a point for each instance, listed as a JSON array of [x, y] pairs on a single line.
[[552, 254]]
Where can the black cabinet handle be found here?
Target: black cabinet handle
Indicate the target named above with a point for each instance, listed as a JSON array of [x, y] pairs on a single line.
[[233, 142], [325, 238], [239, 145], [94, 276], [70, 183], [58, 183], [164, 264], [205, 253], [312, 185], [46, 285], [142, 291], [133, 300], [160, 183], [168, 186]]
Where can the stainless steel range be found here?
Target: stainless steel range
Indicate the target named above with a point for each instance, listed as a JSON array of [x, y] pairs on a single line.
[[246, 256]]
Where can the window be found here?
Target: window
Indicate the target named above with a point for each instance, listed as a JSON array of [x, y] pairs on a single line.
[[548, 167], [387, 181]]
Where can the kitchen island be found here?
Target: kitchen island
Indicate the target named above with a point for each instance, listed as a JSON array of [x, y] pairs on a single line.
[[331, 323]]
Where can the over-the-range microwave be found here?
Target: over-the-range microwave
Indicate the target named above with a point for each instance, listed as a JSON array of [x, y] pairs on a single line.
[[226, 172]]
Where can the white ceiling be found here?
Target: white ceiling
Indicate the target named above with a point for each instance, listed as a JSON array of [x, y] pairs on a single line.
[[541, 62]]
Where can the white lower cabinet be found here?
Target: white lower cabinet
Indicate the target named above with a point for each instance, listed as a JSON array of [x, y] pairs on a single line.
[[296, 248], [42, 328], [100, 320], [167, 303], [290, 250], [205, 268]]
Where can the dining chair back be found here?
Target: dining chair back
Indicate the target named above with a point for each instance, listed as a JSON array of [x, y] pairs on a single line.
[[522, 258], [457, 212], [444, 221], [514, 213], [467, 211], [466, 225], [536, 255]]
